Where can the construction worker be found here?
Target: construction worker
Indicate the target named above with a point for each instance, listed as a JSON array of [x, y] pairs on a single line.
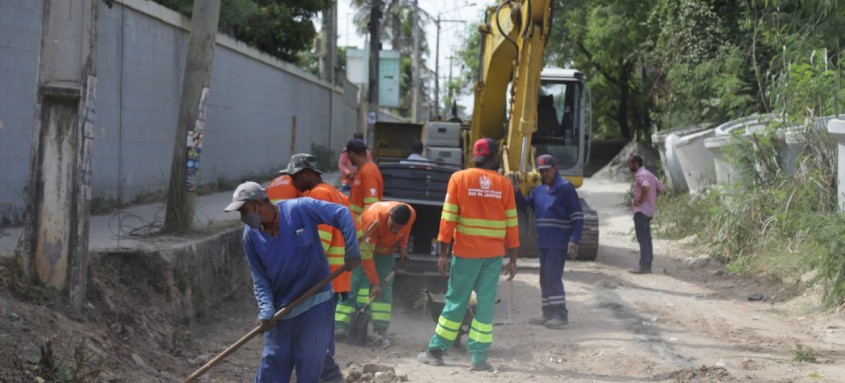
[[309, 181], [281, 188], [347, 168], [367, 186], [395, 220], [286, 259], [480, 214], [559, 222]]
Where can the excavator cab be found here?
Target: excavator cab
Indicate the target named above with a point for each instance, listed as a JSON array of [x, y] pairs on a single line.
[[562, 121]]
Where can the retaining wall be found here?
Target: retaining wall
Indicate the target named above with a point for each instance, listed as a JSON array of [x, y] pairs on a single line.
[[140, 64]]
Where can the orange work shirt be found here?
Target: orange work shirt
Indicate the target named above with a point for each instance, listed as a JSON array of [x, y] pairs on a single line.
[[281, 189], [367, 188], [332, 239], [383, 241], [480, 213]]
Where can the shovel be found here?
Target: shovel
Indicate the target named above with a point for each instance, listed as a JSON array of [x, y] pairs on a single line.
[[278, 315], [359, 321]]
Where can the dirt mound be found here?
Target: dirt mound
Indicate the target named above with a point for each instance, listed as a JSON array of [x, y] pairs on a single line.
[[121, 334], [374, 373], [617, 168]]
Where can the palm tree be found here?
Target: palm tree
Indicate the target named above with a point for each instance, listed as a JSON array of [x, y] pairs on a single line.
[[397, 26]]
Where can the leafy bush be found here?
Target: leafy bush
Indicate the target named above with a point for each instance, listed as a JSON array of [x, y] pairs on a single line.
[[774, 224]]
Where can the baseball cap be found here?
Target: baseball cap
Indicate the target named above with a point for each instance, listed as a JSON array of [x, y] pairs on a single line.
[[301, 161], [356, 146], [545, 161], [247, 191], [483, 148]]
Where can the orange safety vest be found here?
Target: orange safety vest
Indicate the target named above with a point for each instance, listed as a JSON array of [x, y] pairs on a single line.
[[480, 213], [332, 239], [281, 189], [383, 241], [367, 188]]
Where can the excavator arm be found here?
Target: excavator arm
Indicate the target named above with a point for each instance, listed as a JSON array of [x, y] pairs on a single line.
[[513, 44]]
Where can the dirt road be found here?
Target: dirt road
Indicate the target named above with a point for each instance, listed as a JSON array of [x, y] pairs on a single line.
[[682, 324]]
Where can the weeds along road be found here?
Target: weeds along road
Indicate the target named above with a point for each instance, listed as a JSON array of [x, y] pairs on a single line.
[[684, 323]]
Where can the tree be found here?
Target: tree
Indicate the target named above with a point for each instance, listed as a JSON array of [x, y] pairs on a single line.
[[397, 26], [281, 28]]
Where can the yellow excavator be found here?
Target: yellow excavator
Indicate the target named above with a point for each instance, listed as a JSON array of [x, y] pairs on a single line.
[[530, 110]]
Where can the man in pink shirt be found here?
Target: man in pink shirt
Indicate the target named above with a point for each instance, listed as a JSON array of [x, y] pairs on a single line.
[[646, 189]]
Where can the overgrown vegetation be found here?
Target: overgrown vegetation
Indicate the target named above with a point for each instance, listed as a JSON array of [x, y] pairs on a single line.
[[774, 225], [282, 28]]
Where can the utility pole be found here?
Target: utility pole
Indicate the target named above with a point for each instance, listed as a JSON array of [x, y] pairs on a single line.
[[55, 250], [328, 43], [415, 87], [437, 72], [449, 87], [437, 65], [375, 46], [184, 170]]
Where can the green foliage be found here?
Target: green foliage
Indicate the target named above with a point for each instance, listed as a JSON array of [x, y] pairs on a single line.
[[282, 28], [805, 355], [608, 40], [809, 87], [772, 224]]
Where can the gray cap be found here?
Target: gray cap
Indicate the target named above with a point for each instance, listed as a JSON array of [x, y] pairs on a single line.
[[247, 191], [301, 161]]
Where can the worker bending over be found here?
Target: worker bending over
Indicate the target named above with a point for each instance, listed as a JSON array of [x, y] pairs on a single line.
[[286, 259], [395, 220]]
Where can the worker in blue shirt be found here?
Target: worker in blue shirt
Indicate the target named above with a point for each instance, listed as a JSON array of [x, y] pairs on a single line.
[[286, 258], [559, 223]]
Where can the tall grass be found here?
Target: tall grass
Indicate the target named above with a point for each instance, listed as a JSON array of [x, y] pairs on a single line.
[[773, 224]]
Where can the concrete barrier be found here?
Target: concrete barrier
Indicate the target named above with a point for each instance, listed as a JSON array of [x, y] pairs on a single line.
[[194, 275], [836, 128], [696, 161], [665, 143]]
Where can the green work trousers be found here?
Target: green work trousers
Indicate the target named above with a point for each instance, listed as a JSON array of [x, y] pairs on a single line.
[[466, 275], [359, 294]]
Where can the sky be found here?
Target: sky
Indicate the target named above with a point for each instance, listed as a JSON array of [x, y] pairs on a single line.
[[450, 32]]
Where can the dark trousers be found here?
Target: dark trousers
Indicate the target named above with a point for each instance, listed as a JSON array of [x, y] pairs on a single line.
[[331, 370], [642, 225], [551, 283], [299, 342]]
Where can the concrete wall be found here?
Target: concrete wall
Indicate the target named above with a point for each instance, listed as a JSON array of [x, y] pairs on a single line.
[[140, 63], [192, 275], [20, 28]]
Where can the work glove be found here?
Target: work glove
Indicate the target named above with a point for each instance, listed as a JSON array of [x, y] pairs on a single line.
[[572, 250], [266, 324]]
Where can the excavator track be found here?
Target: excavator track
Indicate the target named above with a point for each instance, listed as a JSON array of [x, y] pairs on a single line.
[[589, 249]]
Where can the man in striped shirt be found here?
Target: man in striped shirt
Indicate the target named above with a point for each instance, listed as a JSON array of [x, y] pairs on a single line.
[[480, 214], [560, 222]]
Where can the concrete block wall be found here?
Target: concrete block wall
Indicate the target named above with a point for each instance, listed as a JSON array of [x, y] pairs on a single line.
[[20, 27], [140, 64]]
